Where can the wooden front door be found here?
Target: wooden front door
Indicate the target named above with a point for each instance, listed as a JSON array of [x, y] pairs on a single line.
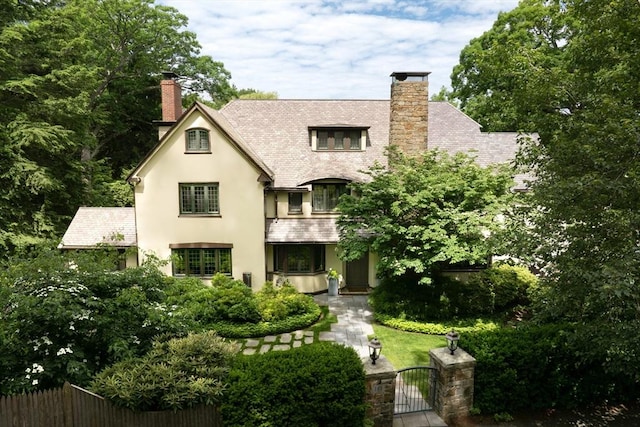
[[358, 273]]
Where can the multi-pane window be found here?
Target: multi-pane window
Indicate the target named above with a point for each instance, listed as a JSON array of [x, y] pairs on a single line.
[[295, 203], [200, 199], [197, 140], [201, 261], [325, 196], [338, 139], [299, 258]]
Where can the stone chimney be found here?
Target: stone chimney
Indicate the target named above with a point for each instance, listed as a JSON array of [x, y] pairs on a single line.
[[171, 95], [408, 125]]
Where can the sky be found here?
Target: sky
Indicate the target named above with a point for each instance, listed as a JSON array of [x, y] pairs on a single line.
[[327, 49]]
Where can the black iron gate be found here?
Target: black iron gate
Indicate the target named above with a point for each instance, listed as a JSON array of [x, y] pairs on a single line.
[[415, 389]]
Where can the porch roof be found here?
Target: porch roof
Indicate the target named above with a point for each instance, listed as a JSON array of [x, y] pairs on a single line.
[[301, 230]]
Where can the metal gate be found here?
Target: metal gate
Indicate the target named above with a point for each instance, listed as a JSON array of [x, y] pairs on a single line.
[[415, 389]]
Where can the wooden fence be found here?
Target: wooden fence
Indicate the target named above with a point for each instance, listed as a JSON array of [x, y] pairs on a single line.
[[72, 406]]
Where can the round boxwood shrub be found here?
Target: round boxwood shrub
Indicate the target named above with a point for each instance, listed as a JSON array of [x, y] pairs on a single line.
[[315, 385]]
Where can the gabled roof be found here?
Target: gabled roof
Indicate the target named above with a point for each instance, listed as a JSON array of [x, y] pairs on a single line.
[[221, 123], [278, 132], [93, 226]]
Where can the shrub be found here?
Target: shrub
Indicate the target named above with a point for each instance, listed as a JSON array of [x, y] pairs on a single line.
[[551, 366], [246, 330], [278, 303], [315, 385], [64, 324], [175, 374]]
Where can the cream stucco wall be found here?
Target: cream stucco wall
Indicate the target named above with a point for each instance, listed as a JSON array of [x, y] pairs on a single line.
[[241, 221]]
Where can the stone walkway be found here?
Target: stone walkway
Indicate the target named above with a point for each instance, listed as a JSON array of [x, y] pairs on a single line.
[[353, 329]]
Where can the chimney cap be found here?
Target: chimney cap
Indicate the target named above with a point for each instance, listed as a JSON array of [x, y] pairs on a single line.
[[169, 75], [413, 76]]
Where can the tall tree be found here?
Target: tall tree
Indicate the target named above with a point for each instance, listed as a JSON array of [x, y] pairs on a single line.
[[493, 79], [582, 95], [423, 213], [79, 91]]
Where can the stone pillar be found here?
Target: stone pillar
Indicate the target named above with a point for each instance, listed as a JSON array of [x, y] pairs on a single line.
[[408, 125], [454, 395], [380, 386]]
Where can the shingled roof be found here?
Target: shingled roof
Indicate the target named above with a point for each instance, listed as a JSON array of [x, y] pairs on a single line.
[[278, 132], [93, 226]]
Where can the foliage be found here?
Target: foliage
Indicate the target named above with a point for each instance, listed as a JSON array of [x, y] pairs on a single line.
[[554, 366], [79, 89], [423, 212], [65, 317], [492, 80], [495, 290], [175, 374], [232, 309], [320, 384], [570, 71], [461, 326]]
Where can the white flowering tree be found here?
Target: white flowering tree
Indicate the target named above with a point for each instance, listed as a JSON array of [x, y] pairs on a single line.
[[65, 324]]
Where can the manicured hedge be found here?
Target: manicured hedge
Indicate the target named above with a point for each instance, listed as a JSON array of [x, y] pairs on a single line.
[[554, 366], [462, 326], [315, 385]]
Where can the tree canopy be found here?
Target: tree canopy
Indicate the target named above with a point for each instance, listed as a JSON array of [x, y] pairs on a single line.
[[423, 212], [79, 91], [571, 71]]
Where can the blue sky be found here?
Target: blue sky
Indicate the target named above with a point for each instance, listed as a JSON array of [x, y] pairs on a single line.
[[327, 49]]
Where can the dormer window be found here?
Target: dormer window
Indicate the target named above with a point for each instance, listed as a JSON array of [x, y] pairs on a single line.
[[338, 139], [197, 141]]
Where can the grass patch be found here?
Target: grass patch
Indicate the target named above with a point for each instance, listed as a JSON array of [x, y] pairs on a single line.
[[406, 349]]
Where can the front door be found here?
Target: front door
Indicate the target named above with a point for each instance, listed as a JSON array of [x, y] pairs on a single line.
[[358, 274]]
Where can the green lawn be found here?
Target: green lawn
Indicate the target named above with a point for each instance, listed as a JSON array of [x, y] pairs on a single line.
[[406, 349]]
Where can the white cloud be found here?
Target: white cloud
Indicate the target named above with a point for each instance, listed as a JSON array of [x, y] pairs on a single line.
[[336, 49]]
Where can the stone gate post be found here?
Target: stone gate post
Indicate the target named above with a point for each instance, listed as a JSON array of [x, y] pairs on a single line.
[[454, 395], [380, 385]]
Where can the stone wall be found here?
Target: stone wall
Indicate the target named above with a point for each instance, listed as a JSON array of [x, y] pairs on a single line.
[[454, 396], [380, 383]]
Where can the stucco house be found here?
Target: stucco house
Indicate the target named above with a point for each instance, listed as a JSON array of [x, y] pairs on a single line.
[[251, 190]]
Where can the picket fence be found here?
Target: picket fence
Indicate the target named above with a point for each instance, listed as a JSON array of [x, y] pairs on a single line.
[[72, 406]]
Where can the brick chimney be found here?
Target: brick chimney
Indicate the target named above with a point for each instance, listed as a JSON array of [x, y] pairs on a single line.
[[171, 97], [408, 125]]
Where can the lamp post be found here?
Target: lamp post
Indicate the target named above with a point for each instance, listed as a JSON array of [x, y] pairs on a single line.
[[452, 340], [375, 348]]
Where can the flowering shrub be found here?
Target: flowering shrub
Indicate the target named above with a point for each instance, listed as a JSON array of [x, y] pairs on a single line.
[[64, 324]]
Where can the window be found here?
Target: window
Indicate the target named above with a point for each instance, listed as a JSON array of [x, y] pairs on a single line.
[[198, 140], [201, 262], [295, 203], [325, 196], [338, 139], [299, 258], [199, 199]]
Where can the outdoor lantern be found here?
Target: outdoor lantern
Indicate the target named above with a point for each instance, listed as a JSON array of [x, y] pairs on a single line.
[[452, 340], [375, 348]]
